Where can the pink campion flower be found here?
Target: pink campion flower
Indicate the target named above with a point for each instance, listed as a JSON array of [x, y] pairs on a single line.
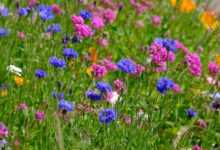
[[109, 65], [213, 68], [56, 9], [32, 3], [77, 20], [40, 115], [196, 147], [109, 15], [161, 67], [171, 56], [99, 71], [3, 130], [194, 64], [83, 30], [103, 42], [98, 22], [139, 69], [22, 106], [156, 20], [21, 35], [118, 85], [176, 88]]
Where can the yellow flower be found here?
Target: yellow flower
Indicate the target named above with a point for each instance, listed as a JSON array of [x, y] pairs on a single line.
[[187, 6], [217, 60], [89, 71], [209, 20], [3, 92], [19, 81], [173, 2]]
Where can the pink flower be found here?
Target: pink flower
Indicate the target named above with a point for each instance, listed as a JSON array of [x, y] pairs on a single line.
[[161, 67], [22, 106], [56, 9], [139, 69], [77, 20], [3, 130], [21, 35], [176, 88], [180, 45], [194, 64], [83, 30], [139, 24], [211, 80], [99, 71], [109, 15], [156, 20], [201, 123], [127, 120], [40, 115], [119, 85], [158, 54], [109, 65], [213, 68], [98, 22], [103, 42], [112, 97], [196, 147], [32, 3], [171, 56]]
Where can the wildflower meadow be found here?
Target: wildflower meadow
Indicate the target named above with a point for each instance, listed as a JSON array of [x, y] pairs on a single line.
[[109, 75]]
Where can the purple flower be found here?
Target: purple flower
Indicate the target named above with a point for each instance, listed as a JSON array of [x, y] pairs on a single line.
[[164, 84], [127, 66], [169, 44], [3, 11], [45, 12], [40, 115], [23, 11], [3, 32], [40, 73], [3, 130], [54, 28], [57, 63], [103, 87], [106, 116], [86, 15], [66, 105], [99, 71], [191, 113], [92, 95], [58, 96], [70, 53]]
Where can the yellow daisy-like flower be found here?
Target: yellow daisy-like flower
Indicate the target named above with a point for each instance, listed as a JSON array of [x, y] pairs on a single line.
[[173, 2], [89, 71], [187, 6], [209, 20], [217, 60], [19, 81], [3, 92]]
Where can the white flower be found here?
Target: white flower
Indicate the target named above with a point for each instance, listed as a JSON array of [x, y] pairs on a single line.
[[14, 69], [113, 98]]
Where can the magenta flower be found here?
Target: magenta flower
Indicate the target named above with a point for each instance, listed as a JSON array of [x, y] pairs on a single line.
[[22, 106], [99, 71], [103, 42], [139, 69], [56, 9], [176, 88], [194, 64], [109, 65], [98, 22], [109, 15], [156, 20], [40, 115], [83, 30], [171, 56], [119, 85], [213, 68], [3, 130], [196, 147], [77, 20]]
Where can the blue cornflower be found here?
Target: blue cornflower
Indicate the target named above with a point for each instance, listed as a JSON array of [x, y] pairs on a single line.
[[4, 11], [23, 11], [66, 105], [54, 28], [191, 113], [127, 65], [58, 96], [92, 95], [40, 73], [45, 12], [86, 15], [57, 63], [164, 84], [103, 87], [108, 115], [169, 44], [70, 53], [3, 32]]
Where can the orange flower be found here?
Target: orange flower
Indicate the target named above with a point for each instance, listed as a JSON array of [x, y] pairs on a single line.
[[187, 6], [19, 81], [173, 2], [217, 60], [93, 54], [209, 20]]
